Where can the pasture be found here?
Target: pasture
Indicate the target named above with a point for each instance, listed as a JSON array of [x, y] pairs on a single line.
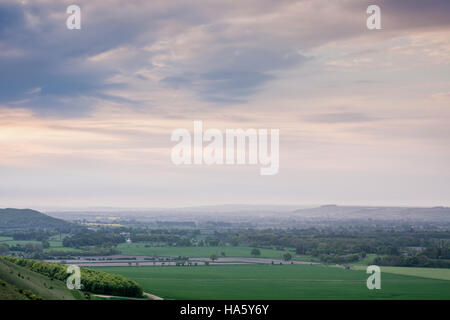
[[290, 282], [432, 273], [144, 249]]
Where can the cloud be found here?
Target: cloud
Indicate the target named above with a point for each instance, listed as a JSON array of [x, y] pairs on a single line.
[[342, 117], [441, 96], [223, 52]]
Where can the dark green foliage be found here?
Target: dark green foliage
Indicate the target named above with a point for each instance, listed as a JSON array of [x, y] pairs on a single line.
[[170, 237], [287, 257], [93, 238], [411, 261], [86, 251], [256, 252], [4, 248], [438, 252], [214, 257], [335, 258], [20, 219], [91, 280]]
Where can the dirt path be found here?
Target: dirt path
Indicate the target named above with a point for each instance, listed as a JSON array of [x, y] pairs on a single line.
[[152, 296], [148, 295]]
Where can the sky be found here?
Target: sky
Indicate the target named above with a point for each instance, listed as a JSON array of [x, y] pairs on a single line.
[[86, 115]]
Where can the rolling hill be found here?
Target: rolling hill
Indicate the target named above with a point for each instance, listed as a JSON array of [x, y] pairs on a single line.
[[19, 219], [19, 283]]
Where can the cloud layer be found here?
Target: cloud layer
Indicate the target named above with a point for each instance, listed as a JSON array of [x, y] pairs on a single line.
[[86, 115], [223, 52]]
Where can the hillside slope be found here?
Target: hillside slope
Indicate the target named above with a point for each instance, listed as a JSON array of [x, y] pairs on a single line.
[[10, 292], [18, 283], [16, 219]]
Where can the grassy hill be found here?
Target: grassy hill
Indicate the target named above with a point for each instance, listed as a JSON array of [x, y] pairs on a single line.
[[10, 292], [19, 283], [18, 219], [92, 281]]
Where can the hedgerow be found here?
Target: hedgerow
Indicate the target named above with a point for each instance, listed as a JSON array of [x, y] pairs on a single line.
[[91, 280]]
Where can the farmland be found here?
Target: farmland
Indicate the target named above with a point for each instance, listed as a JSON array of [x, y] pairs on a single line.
[[277, 282], [432, 273], [196, 252], [225, 263]]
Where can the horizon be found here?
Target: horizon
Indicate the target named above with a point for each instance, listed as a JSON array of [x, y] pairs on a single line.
[[203, 208]]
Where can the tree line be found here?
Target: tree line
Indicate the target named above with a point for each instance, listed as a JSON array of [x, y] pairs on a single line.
[[92, 281]]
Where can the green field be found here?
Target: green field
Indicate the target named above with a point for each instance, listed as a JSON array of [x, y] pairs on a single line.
[[288, 282], [365, 261], [196, 252], [432, 273], [55, 245], [19, 242]]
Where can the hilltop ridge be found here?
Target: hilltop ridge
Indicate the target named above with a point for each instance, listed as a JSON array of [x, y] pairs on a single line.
[[16, 219]]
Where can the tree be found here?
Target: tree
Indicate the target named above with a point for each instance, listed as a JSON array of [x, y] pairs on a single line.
[[45, 244], [255, 252], [213, 257], [4, 248], [287, 257]]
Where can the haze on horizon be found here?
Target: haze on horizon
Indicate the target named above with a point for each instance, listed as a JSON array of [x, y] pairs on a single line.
[[86, 115]]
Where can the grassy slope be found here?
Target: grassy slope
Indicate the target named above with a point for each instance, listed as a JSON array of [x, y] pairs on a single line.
[[277, 282], [195, 252], [36, 283], [10, 292]]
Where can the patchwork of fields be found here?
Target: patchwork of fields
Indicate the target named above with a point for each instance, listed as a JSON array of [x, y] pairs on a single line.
[[55, 245], [257, 281], [288, 282], [197, 252]]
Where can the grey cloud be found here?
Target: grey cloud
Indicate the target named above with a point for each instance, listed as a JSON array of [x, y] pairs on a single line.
[[234, 73], [229, 66], [410, 14]]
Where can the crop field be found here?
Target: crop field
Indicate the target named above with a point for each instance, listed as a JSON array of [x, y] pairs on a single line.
[[196, 252], [54, 244], [432, 273], [290, 282]]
